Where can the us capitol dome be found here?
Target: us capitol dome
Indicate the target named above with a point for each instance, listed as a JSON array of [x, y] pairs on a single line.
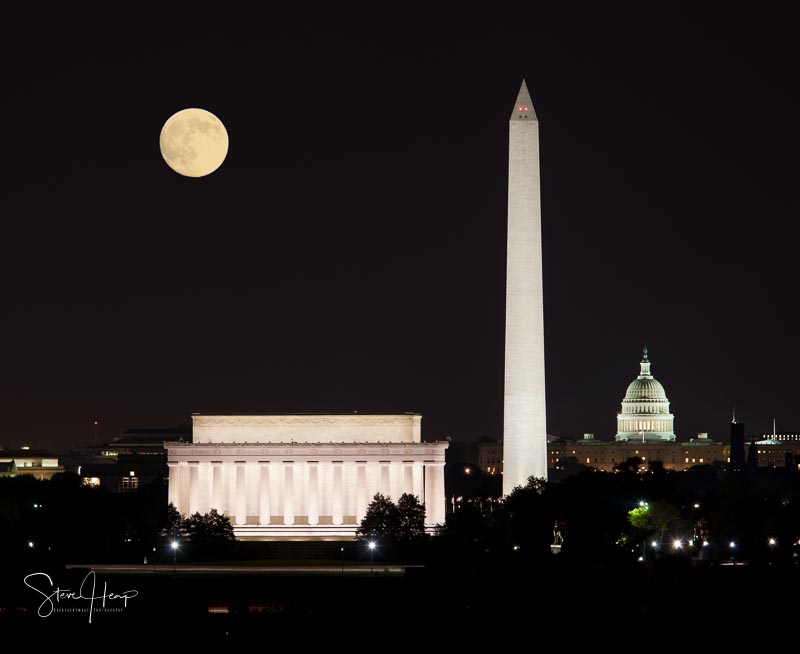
[[645, 415]]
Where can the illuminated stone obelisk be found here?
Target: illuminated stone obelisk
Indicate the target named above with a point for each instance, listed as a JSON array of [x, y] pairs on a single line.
[[525, 425]]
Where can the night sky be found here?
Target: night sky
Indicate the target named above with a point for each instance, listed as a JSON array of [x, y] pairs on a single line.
[[350, 252]]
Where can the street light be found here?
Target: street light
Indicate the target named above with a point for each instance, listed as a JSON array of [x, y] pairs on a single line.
[[371, 546], [772, 542], [174, 546]]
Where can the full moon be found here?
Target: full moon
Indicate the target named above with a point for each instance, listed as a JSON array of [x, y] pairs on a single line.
[[194, 142]]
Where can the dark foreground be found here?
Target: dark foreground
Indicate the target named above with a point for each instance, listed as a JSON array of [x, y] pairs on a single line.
[[561, 603]]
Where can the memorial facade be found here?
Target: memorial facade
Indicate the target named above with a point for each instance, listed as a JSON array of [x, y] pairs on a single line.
[[303, 476]]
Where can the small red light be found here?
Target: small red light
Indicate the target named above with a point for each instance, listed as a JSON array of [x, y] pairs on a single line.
[[95, 423]]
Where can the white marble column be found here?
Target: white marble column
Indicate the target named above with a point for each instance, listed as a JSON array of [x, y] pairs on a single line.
[[361, 490], [252, 476], [183, 497], [216, 486], [194, 487], [313, 493], [227, 488], [337, 500], [288, 492], [384, 484], [408, 477], [204, 494], [174, 491], [263, 494], [240, 502], [418, 485], [434, 493]]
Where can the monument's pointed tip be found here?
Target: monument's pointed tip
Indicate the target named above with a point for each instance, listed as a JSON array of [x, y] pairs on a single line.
[[523, 109]]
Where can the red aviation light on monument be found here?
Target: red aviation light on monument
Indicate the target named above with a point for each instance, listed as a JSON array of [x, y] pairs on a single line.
[[523, 109]]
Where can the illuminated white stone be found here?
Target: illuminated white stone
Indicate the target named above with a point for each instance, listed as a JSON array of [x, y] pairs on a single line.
[[312, 488], [308, 428], [524, 408], [645, 415]]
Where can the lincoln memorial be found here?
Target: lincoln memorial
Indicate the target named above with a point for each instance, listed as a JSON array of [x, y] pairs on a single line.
[[303, 476]]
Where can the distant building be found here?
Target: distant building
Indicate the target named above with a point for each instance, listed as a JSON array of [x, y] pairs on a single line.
[[130, 461], [774, 437], [37, 463], [773, 455], [603, 455], [490, 458], [791, 437], [8, 469], [775, 450], [564, 454], [567, 454]]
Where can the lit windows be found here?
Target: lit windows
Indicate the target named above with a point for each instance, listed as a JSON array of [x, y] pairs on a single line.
[[129, 484]]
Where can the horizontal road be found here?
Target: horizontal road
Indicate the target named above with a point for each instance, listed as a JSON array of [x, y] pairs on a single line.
[[264, 569]]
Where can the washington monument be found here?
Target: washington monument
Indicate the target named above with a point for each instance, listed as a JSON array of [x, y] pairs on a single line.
[[525, 424]]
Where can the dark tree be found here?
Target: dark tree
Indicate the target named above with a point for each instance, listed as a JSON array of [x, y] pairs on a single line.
[[212, 528], [411, 514], [382, 520], [657, 517], [171, 523], [527, 517], [629, 466], [466, 525]]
